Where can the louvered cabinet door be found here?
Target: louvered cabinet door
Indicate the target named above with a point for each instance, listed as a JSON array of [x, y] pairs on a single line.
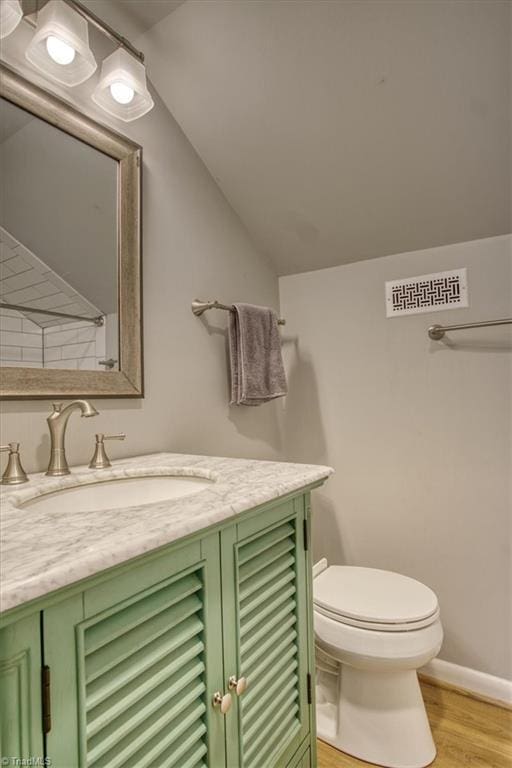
[[147, 653], [267, 642]]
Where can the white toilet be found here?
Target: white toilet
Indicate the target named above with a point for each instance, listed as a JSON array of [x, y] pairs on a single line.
[[373, 630]]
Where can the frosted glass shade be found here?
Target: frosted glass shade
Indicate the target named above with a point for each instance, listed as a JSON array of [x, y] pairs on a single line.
[[10, 16], [58, 20], [121, 74]]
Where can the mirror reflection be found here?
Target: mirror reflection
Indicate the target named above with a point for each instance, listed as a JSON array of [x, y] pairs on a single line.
[[58, 248]]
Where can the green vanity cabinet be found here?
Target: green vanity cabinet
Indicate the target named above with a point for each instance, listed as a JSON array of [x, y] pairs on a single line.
[[135, 656]]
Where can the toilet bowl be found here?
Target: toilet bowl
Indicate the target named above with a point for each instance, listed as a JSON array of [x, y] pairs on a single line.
[[373, 630]]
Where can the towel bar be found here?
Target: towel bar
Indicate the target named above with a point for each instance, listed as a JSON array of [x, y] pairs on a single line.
[[198, 307], [436, 332]]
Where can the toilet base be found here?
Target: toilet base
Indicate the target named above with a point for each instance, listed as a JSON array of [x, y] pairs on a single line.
[[376, 716]]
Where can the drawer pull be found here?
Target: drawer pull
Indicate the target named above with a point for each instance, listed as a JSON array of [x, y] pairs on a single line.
[[223, 702]]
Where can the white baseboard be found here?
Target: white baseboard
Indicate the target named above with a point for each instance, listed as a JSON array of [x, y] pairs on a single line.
[[479, 683]]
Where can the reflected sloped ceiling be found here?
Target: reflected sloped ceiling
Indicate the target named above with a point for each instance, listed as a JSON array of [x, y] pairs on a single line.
[[58, 198], [345, 130], [27, 281]]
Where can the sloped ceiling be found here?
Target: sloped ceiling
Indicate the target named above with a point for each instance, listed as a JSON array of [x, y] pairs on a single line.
[[342, 130]]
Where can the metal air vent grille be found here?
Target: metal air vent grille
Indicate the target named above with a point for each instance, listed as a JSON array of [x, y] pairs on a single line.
[[427, 293]]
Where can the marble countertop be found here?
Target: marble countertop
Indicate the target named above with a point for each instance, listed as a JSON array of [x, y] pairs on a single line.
[[41, 552]]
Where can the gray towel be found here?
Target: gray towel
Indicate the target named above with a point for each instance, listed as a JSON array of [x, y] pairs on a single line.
[[257, 370]]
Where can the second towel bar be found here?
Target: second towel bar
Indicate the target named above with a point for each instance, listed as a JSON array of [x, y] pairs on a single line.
[[198, 307]]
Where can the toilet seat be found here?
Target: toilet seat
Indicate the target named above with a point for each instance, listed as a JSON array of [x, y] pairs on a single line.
[[377, 649], [374, 625], [373, 599]]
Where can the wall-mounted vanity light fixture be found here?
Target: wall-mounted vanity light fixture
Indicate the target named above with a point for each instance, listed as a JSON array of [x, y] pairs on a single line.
[[10, 16], [60, 49], [60, 46]]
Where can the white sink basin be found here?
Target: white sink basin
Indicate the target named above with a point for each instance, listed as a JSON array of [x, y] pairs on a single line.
[[119, 492]]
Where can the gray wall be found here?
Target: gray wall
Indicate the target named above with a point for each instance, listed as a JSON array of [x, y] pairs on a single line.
[[194, 246], [419, 433]]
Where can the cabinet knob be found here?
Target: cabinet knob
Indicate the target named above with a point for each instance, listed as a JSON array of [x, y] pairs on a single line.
[[238, 686], [223, 702]]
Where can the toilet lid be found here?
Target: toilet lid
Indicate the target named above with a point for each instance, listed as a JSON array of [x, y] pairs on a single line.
[[371, 595]]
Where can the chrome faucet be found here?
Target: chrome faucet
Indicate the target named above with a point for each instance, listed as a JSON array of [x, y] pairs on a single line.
[[57, 423]]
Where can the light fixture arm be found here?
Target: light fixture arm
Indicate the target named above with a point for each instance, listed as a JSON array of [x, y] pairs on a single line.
[[105, 28]]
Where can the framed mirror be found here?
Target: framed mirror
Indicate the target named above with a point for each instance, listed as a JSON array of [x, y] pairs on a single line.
[[70, 250]]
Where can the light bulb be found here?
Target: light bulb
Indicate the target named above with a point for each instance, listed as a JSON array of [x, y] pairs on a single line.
[[59, 51], [122, 93]]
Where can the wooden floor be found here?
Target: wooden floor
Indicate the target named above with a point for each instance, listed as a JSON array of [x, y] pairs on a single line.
[[468, 734]]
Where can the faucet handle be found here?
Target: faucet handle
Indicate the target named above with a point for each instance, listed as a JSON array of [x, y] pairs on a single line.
[[100, 459], [14, 473]]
